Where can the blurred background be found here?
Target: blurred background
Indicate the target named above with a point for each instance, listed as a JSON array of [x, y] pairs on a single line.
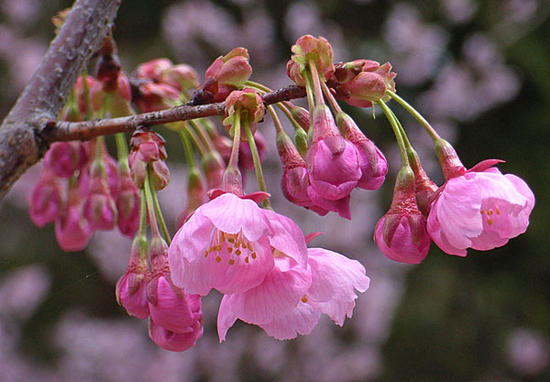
[[479, 70]]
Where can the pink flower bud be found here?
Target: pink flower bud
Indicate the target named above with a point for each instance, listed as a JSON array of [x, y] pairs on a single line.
[[147, 149], [181, 77], [64, 158], [72, 231], [300, 114], [448, 159], [362, 82], [172, 341], [401, 233], [170, 306], [374, 166], [46, 199], [156, 96], [99, 207], [128, 206], [153, 69], [310, 49], [249, 104], [131, 287], [333, 162]]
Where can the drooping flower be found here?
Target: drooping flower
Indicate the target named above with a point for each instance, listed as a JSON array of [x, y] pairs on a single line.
[[99, 206], [291, 299], [72, 231], [128, 204], [170, 307], [480, 209], [173, 341], [131, 287], [224, 245], [401, 233], [46, 200], [374, 166], [64, 158]]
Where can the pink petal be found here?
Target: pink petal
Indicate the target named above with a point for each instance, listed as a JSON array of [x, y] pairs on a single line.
[[287, 237], [301, 320], [334, 281], [278, 294], [231, 214]]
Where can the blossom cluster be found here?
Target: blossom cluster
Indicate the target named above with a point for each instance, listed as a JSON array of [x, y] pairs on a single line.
[[234, 242]]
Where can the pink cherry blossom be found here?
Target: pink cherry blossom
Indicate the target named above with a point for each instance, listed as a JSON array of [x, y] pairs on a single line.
[[64, 158], [170, 307], [224, 245], [131, 287], [480, 210], [401, 233], [333, 162], [291, 299], [46, 199], [72, 231], [128, 206]]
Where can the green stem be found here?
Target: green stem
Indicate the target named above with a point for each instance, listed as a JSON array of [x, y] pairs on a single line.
[[150, 206], [275, 118], [162, 223], [142, 213], [316, 83], [99, 147], [395, 126], [203, 134], [194, 137], [331, 100], [429, 129], [188, 148], [234, 158], [309, 90], [256, 159], [121, 146], [258, 86], [86, 95]]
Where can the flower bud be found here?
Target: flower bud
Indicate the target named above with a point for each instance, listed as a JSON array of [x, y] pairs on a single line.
[[362, 82], [131, 287], [182, 77], [374, 166], [172, 341], [46, 199], [170, 306], [128, 205], [156, 96], [72, 231], [249, 104], [99, 207], [333, 162], [64, 158], [401, 233], [310, 49], [153, 69]]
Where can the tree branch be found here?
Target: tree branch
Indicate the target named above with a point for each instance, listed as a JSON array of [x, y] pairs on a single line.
[[22, 141], [68, 131]]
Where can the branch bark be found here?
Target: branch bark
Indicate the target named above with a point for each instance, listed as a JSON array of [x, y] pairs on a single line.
[[68, 131], [22, 135]]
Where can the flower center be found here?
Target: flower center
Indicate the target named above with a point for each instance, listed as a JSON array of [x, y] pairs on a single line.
[[490, 214], [232, 247]]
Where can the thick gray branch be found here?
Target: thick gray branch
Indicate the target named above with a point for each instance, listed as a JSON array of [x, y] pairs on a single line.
[[21, 139]]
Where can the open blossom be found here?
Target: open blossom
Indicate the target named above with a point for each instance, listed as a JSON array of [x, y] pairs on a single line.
[[224, 245], [293, 296], [480, 209]]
